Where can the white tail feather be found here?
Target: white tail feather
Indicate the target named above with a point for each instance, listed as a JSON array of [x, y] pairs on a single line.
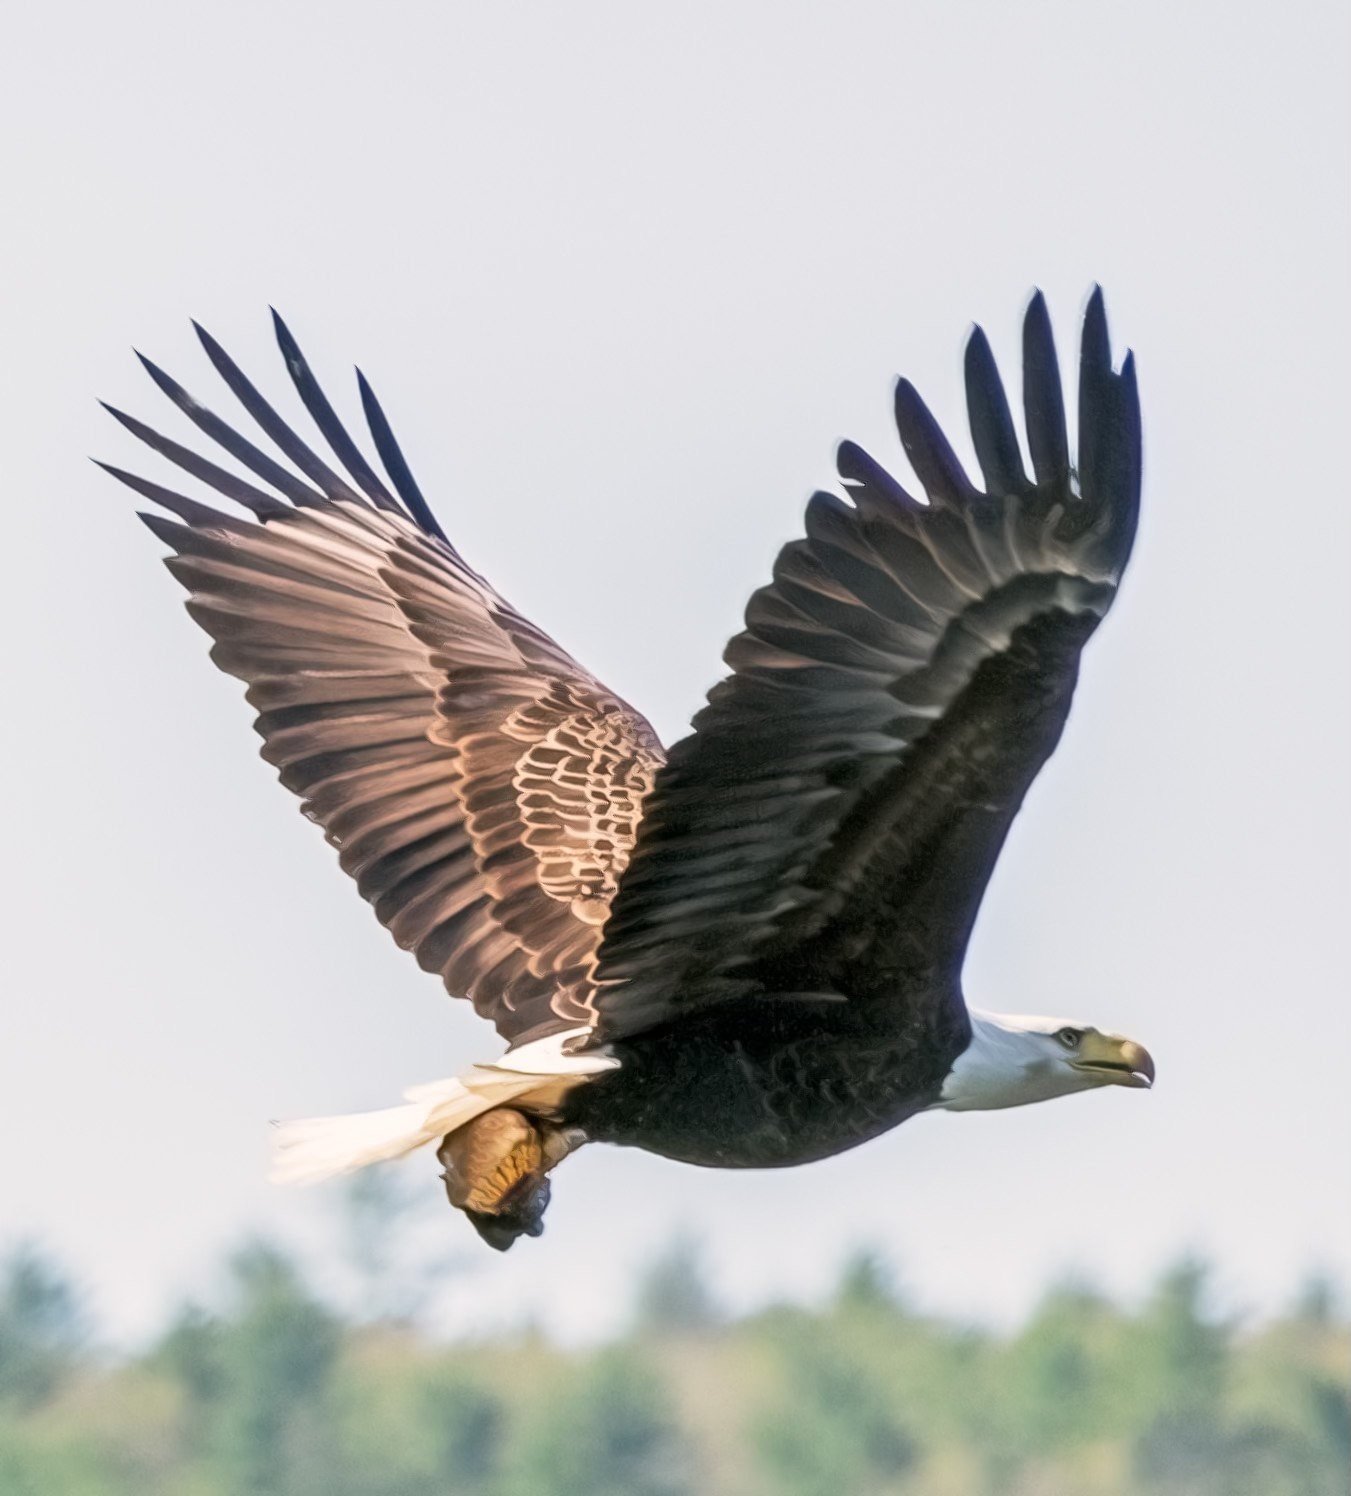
[[316, 1148]]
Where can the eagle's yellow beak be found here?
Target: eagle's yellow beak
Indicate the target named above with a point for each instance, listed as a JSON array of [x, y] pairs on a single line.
[[1114, 1061]]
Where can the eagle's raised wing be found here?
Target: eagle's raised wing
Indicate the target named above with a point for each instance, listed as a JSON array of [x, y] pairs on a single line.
[[482, 788], [832, 821]]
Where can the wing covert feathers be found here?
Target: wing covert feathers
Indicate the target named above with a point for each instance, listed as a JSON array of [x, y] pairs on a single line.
[[836, 812], [482, 788]]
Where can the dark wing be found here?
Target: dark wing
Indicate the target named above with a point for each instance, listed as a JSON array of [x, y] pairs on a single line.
[[832, 821], [481, 787]]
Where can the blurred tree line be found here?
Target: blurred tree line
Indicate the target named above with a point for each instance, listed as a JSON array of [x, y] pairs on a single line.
[[276, 1393]]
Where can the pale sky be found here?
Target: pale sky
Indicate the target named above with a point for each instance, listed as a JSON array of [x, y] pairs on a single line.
[[623, 275]]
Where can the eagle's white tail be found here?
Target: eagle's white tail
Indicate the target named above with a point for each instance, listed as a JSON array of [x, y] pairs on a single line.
[[318, 1148]]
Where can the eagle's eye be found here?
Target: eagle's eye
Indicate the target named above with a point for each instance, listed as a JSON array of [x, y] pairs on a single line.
[[1069, 1037]]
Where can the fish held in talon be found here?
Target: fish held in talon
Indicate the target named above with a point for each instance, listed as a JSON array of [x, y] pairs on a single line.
[[741, 951]]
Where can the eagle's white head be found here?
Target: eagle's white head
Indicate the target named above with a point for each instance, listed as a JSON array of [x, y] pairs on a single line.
[[1013, 1059]]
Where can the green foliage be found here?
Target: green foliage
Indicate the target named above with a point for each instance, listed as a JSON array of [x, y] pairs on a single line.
[[830, 1428], [1316, 1301], [41, 1327], [867, 1283], [607, 1431], [673, 1293], [1183, 1352], [274, 1394], [414, 1424], [277, 1351], [395, 1263], [1064, 1373]]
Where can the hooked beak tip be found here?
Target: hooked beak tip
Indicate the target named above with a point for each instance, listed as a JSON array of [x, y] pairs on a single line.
[[1141, 1062]]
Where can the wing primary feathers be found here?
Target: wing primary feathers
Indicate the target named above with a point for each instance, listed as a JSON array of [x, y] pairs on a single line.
[[167, 530], [326, 419], [1097, 423], [236, 445], [1095, 350], [935, 463], [1132, 443], [992, 430], [309, 463], [1109, 437], [1121, 468], [395, 463], [188, 510], [264, 505], [857, 468], [1043, 401]]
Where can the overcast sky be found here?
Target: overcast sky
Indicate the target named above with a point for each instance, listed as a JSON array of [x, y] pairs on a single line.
[[623, 275]]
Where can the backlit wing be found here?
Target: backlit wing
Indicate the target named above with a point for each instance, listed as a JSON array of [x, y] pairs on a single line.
[[480, 786]]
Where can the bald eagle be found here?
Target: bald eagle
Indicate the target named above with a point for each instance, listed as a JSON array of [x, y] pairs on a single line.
[[746, 951]]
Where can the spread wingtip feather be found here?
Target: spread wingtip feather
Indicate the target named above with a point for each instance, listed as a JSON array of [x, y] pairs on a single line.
[[396, 465], [930, 453], [1044, 400], [993, 433]]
